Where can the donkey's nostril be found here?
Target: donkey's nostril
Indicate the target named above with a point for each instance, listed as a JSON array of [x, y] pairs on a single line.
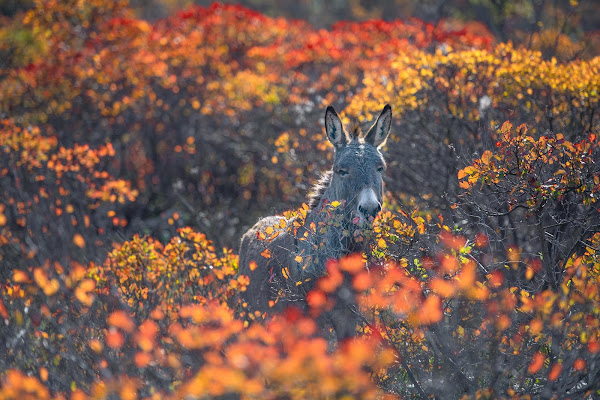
[[369, 210]]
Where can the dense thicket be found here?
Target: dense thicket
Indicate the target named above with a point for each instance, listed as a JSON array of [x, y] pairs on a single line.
[[119, 134]]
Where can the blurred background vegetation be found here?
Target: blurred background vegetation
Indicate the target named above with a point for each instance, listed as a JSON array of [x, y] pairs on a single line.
[[539, 24]]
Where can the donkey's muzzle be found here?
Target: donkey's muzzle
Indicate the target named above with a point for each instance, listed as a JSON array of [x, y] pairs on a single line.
[[368, 204]]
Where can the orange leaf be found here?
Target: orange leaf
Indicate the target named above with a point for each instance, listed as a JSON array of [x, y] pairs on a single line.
[[529, 273], [449, 263], [334, 278], [503, 322], [442, 287], [157, 314], [466, 277], [506, 126], [78, 395], [495, 278], [579, 364], [535, 326], [431, 310], [362, 281], [96, 345], [555, 372], [142, 359], [114, 338], [3, 312], [44, 374], [87, 285], [353, 263], [252, 265], [79, 240], [464, 184], [84, 296], [316, 299], [148, 329], [120, 319], [486, 157], [266, 253], [51, 287], [537, 362], [481, 240], [20, 276], [593, 346]]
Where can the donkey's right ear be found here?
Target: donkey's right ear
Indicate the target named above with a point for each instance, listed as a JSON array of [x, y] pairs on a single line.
[[333, 128]]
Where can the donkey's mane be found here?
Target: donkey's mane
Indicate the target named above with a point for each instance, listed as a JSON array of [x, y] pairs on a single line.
[[317, 191]]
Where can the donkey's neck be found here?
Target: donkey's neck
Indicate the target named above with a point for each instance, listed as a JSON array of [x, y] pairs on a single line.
[[326, 240]]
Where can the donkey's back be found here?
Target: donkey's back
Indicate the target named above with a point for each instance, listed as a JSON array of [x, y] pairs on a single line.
[[263, 259]]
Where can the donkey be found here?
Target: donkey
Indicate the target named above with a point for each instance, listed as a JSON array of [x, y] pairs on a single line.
[[355, 186]]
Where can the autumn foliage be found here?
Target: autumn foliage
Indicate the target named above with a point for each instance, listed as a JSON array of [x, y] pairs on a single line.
[[134, 154]]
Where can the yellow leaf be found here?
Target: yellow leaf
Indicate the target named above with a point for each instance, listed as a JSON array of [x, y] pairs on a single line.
[[486, 157], [529, 272]]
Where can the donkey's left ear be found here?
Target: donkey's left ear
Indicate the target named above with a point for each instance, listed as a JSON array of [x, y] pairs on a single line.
[[381, 128]]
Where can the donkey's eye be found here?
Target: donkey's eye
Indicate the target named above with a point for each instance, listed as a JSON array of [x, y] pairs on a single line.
[[342, 172]]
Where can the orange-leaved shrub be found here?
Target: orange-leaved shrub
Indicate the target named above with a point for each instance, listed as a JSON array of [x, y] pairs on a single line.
[[59, 203]]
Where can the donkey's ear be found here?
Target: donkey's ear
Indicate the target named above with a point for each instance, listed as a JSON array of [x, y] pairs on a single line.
[[381, 128], [333, 128]]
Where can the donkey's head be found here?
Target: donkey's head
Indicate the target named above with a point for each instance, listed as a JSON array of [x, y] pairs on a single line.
[[358, 166]]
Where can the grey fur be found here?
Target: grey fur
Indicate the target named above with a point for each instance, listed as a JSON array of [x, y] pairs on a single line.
[[357, 173]]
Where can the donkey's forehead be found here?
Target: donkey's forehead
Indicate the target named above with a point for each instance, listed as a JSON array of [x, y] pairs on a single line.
[[357, 152]]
